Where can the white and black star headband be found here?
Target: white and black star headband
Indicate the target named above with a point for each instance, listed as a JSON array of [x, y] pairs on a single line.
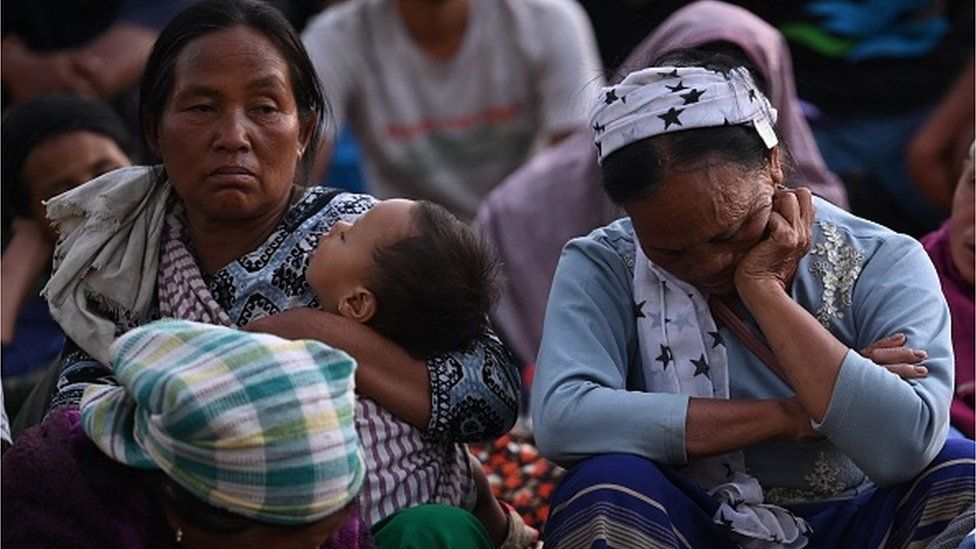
[[660, 100]]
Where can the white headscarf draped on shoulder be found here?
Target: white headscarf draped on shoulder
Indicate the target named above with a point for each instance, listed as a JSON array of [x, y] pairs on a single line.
[[112, 227]]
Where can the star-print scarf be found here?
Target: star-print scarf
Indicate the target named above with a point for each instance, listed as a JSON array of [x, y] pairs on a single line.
[[682, 353], [660, 100]]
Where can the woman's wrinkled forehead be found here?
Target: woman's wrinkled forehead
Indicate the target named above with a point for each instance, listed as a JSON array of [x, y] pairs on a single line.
[[239, 46]]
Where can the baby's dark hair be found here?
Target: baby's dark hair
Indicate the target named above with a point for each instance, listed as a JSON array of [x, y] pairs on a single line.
[[434, 288]]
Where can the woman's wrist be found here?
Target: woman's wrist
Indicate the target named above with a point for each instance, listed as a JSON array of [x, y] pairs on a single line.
[[759, 292]]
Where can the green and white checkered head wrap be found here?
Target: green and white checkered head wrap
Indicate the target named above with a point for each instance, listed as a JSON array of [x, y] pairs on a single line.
[[250, 423]]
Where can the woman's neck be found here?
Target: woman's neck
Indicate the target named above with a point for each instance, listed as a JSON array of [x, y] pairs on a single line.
[[437, 26], [218, 243]]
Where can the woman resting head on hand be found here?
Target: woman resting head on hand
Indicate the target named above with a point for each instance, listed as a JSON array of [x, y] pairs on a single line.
[[707, 344]]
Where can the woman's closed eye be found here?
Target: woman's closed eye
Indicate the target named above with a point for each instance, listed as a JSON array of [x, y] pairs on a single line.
[[266, 111], [201, 108]]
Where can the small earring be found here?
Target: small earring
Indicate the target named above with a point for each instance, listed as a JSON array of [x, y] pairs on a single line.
[[179, 535]]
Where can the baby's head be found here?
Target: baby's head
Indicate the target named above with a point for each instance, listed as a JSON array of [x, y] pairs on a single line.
[[411, 271]]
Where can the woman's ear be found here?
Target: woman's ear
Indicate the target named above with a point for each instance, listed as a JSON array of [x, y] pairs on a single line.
[[776, 166], [305, 133], [151, 137], [359, 305]]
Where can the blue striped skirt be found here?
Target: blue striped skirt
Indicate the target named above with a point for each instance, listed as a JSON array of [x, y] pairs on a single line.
[[620, 500]]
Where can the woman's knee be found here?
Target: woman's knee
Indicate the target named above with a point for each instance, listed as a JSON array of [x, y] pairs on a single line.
[[598, 473], [614, 467], [955, 450]]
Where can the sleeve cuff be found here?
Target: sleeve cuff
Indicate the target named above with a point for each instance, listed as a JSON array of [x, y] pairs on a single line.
[[847, 387]]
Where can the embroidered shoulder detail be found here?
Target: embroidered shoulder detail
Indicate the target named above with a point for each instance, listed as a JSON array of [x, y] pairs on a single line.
[[838, 273]]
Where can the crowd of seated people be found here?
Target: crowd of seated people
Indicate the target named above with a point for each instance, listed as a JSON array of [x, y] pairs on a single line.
[[597, 300]]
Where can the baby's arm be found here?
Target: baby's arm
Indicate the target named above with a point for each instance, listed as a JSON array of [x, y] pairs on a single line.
[[505, 527], [486, 507]]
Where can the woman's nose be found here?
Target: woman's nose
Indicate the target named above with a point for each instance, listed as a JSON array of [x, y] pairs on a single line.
[[232, 132], [336, 227]]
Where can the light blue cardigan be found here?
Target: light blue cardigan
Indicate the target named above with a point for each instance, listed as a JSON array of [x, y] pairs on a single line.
[[588, 395]]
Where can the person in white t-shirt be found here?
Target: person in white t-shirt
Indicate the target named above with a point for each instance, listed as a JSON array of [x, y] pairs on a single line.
[[447, 97]]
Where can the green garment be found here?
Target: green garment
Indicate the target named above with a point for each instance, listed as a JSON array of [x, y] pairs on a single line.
[[431, 526]]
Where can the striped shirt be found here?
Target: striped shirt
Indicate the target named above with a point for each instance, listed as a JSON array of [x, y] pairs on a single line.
[[404, 468]]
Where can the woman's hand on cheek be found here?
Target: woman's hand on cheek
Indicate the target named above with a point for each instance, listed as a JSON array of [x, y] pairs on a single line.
[[773, 260]]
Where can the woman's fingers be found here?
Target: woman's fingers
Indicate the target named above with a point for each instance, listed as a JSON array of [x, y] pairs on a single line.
[[804, 199], [894, 340], [895, 355], [796, 207], [907, 371], [785, 202]]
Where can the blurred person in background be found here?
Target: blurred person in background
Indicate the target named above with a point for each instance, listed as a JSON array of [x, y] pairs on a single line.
[[94, 49], [447, 97], [951, 249], [50, 145], [877, 78], [97, 49]]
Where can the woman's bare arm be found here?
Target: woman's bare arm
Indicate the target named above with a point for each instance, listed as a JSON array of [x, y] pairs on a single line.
[[386, 373]]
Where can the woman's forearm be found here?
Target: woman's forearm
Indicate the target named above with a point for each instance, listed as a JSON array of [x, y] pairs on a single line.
[[386, 373], [717, 426], [810, 355]]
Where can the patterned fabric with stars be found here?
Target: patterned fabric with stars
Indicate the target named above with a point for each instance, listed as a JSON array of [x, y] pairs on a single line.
[[659, 100], [683, 353]]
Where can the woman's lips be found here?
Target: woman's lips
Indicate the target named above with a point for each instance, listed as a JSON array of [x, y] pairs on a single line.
[[231, 175]]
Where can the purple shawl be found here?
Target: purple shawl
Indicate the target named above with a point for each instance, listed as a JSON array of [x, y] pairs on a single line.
[[556, 196], [60, 490], [959, 294]]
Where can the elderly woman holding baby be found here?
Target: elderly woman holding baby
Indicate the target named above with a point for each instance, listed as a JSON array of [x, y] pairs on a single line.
[[222, 231]]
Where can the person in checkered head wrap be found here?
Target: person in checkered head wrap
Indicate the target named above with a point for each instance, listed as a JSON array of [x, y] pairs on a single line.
[[255, 434]]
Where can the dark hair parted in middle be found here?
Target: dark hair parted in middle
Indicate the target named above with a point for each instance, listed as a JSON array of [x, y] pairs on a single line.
[[212, 16], [433, 289], [637, 169]]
